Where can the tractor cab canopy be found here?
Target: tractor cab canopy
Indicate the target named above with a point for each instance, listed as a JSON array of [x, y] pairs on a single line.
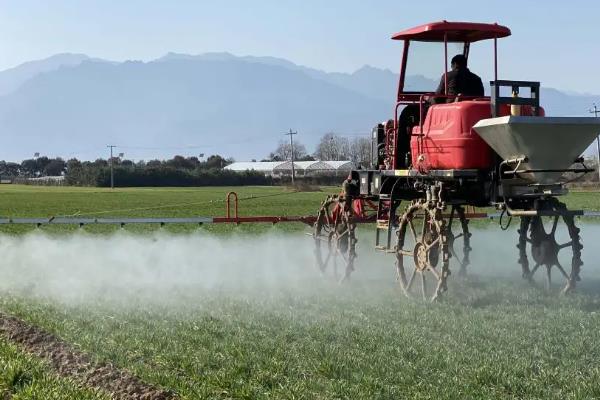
[[435, 38], [453, 32]]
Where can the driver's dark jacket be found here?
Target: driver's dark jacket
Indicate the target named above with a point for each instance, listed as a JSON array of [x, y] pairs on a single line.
[[461, 81]]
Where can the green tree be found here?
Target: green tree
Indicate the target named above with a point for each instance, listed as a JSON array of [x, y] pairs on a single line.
[[55, 167]]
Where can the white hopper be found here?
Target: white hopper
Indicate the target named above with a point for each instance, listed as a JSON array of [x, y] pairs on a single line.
[[549, 143]]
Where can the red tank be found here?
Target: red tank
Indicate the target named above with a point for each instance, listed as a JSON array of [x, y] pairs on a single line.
[[449, 141]]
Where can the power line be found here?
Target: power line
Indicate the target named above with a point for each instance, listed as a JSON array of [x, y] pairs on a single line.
[[596, 111], [339, 134], [166, 147], [110, 162], [291, 135]]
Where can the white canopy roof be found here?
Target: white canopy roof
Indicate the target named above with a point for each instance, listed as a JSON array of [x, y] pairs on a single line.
[[264, 166], [341, 165], [267, 166]]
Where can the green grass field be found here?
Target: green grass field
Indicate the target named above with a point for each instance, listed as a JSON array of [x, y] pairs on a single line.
[[25, 377], [285, 332], [16, 200], [29, 201]]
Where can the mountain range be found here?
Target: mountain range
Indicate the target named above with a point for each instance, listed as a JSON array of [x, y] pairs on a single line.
[[74, 105]]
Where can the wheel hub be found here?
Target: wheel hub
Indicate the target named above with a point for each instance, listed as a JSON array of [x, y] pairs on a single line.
[[420, 257]]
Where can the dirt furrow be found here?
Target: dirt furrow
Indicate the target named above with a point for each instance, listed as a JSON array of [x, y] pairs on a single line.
[[72, 363]]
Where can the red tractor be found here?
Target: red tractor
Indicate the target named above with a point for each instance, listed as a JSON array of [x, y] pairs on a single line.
[[442, 154]]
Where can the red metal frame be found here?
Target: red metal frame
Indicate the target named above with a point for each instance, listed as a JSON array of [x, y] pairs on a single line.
[[465, 32], [360, 214], [446, 62], [403, 69], [308, 220], [360, 217], [444, 31]]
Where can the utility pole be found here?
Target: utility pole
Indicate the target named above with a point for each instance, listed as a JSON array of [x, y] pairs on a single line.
[[291, 135], [596, 111], [110, 162]]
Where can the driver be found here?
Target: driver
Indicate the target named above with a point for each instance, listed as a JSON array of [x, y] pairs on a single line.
[[461, 81]]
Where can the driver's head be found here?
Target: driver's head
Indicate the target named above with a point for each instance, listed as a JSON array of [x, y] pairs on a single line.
[[459, 61]]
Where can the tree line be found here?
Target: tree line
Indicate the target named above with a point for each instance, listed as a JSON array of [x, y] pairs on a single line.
[[33, 168], [331, 147], [178, 171]]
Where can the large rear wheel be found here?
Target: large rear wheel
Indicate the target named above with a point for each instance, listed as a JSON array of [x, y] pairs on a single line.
[[553, 243], [335, 238], [422, 254]]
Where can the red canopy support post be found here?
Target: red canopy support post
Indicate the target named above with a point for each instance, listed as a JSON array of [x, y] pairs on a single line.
[[403, 69], [446, 64], [495, 59]]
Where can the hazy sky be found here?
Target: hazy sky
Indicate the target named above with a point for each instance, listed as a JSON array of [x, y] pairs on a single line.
[[556, 42]]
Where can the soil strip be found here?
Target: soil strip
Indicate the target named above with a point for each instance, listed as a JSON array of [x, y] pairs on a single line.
[[71, 363]]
